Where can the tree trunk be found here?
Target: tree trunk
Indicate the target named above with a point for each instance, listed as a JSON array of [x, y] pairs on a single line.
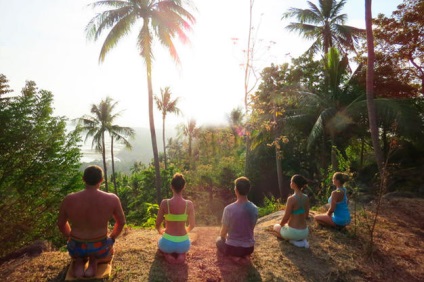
[[163, 141], [189, 151], [104, 162], [372, 115], [279, 175], [113, 165], [246, 86], [158, 182]]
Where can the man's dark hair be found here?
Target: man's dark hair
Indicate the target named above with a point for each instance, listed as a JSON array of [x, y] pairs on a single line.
[[242, 185], [178, 182], [93, 175]]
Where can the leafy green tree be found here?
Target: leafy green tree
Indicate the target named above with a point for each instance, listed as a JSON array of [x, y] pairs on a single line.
[[235, 120], [164, 19], [402, 37], [267, 116], [166, 105], [325, 25], [372, 115], [4, 87], [175, 151], [39, 165], [191, 131], [121, 135]]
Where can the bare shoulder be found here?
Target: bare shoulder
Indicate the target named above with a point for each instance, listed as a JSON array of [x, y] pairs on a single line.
[[190, 204], [291, 199], [337, 194], [163, 203], [72, 196], [109, 197]]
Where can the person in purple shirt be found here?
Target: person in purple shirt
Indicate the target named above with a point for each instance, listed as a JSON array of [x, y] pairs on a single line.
[[238, 222]]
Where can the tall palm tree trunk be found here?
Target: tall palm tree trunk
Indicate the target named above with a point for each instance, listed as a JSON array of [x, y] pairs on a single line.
[[279, 167], [246, 85], [104, 162], [163, 141], [113, 165], [189, 153], [372, 115], [153, 134]]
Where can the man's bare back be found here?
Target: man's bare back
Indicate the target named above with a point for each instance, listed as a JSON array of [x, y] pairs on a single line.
[[83, 219], [90, 210]]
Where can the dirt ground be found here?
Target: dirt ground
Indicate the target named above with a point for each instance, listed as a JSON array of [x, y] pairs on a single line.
[[398, 253]]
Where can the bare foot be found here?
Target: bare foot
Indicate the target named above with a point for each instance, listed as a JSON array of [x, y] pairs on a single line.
[[181, 258], [78, 268], [241, 260], [92, 268], [170, 258]]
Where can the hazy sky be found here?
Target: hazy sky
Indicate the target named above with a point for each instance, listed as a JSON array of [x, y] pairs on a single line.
[[44, 41]]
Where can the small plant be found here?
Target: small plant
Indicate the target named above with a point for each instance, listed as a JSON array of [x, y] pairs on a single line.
[[270, 205]]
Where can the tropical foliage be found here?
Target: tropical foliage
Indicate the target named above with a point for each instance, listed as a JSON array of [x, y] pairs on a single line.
[[100, 123], [162, 20], [325, 25], [39, 164], [308, 116], [166, 105]]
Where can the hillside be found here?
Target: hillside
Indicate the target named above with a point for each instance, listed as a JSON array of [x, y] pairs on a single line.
[[332, 256]]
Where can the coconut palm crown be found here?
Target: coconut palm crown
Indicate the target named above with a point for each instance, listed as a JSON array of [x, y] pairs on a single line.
[[325, 25], [163, 20]]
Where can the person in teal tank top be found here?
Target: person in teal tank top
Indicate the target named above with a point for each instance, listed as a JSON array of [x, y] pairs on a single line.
[[338, 215], [293, 225], [176, 212]]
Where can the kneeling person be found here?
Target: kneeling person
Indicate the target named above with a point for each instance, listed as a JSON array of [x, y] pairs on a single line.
[[83, 219], [176, 211]]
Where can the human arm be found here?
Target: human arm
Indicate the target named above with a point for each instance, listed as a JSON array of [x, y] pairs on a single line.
[[119, 217], [335, 198], [159, 218], [225, 224], [191, 217], [288, 211], [62, 221], [223, 232], [307, 206]]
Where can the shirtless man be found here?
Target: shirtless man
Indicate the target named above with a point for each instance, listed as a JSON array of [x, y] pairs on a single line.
[[83, 219]]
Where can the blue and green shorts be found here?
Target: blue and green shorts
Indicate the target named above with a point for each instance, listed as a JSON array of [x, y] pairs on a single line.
[[174, 244]]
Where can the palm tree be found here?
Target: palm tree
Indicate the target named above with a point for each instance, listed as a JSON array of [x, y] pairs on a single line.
[[101, 122], [339, 106], [166, 105], [121, 135], [372, 116], [191, 131], [165, 19], [96, 126], [325, 25]]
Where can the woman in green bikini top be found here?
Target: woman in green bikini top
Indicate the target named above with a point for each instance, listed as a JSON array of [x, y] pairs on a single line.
[[176, 212]]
